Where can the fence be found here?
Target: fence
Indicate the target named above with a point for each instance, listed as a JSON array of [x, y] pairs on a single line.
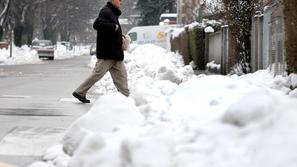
[[200, 47], [191, 45], [181, 45], [257, 43], [214, 47], [267, 44], [268, 41]]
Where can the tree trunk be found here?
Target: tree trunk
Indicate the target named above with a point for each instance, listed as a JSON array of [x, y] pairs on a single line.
[[47, 33], [50, 34], [64, 34], [291, 34], [1, 33], [18, 34]]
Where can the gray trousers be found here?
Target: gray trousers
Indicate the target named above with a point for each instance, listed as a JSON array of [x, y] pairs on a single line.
[[118, 73]]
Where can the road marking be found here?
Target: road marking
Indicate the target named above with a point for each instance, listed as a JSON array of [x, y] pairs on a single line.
[[52, 112], [14, 96], [73, 100], [69, 100], [30, 141]]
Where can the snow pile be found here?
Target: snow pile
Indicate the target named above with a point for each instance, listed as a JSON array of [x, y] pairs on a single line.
[[54, 156], [208, 29], [263, 130], [21, 55], [148, 61], [80, 50], [183, 120], [156, 63], [212, 66], [25, 55], [206, 25], [61, 52], [105, 116], [293, 85], [293, 80]]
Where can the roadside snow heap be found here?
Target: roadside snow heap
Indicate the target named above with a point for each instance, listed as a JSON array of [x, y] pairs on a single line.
[[21, 55], [176, 119], [26, 55]]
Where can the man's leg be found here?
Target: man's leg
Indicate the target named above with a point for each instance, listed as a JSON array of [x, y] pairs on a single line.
[[101, 67], [119, 76]]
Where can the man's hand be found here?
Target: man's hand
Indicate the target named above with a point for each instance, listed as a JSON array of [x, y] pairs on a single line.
[[116, 29]]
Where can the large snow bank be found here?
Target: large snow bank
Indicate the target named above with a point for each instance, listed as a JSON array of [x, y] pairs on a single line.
[[148, 61], [185, 120], [107, 114]]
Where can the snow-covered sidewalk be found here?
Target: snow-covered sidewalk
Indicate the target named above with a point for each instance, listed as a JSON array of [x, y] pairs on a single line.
[[174, 118]]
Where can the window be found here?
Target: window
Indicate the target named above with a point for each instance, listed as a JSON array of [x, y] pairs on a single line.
[[133, 36]]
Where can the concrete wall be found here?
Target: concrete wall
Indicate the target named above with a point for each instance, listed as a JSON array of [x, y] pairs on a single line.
[[268, 40]]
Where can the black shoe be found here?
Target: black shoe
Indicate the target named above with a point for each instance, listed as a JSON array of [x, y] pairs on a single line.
[[83, 99]]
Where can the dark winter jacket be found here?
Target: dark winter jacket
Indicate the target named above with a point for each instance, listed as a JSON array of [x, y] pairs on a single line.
[[109, 41]]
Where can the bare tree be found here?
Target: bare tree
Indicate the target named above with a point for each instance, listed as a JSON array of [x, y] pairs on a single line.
[[151, 10], [211, 9], [68, 18], [47, 18], [4, 6]]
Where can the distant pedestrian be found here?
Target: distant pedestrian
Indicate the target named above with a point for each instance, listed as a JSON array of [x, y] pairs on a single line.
[[109, 52]]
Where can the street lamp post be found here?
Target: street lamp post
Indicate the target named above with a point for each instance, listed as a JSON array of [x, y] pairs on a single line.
[[179, 11]]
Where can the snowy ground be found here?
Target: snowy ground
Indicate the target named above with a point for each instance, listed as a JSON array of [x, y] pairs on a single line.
[[176, 119], [25, 55]]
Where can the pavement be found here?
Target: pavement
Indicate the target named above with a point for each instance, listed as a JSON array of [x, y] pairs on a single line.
[[5, 165], [36, 106]]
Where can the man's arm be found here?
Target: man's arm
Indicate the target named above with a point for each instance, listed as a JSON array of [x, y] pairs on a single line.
[[103, 23]]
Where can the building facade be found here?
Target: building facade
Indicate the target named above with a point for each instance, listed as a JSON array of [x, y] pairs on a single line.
[[187, 11]]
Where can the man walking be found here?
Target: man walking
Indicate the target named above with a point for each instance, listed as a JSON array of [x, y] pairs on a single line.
[[109, 52]]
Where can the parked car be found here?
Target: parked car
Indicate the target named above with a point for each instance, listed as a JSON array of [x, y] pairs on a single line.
[[44, 48], [93, 49]]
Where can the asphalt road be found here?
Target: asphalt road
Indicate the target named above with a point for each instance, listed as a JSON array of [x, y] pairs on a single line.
[[36, 106]]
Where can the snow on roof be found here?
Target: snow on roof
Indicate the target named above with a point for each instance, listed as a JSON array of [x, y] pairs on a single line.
[[168, 15], [208, 29]]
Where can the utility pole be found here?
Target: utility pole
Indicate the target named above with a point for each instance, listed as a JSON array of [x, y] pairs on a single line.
[[11, 42], [179, 11]]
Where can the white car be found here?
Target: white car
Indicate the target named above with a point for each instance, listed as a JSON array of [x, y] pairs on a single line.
[[44, 48]]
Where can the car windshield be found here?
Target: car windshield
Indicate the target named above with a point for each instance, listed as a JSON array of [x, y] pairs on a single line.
[[42, 43]]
